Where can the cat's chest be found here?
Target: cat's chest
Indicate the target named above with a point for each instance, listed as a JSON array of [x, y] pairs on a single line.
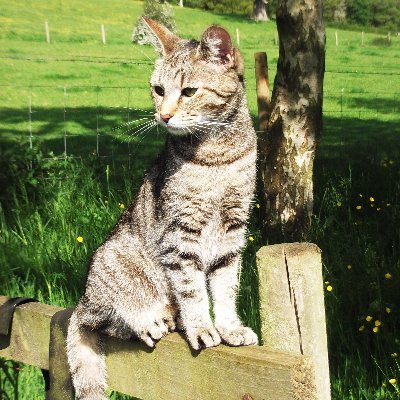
[[213, 189]]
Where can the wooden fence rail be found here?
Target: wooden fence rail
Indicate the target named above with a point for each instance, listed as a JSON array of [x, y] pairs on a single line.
[[173, 371]]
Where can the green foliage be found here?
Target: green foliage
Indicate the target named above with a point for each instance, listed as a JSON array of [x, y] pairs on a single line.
[[359, 11], [241, 7], [386, 13]]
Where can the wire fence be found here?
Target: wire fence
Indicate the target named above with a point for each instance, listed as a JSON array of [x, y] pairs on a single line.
[[112, 121]]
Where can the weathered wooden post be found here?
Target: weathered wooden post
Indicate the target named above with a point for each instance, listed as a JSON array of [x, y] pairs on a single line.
[[60, 379], [47, 31], [292, 306], [103, 33], [263, 92]]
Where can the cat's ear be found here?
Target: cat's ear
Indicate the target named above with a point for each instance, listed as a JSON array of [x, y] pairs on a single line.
[[216, 46], [165, 40]]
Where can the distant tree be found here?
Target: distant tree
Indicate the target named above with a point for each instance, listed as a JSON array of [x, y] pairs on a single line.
[[360, 11], [158, 10], [260, 10], [386, 13], [334, 10]]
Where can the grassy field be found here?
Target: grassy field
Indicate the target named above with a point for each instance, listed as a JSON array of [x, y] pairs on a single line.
[[80, 98]]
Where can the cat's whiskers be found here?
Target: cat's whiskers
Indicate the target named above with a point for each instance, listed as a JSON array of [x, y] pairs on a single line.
[[143, 128]]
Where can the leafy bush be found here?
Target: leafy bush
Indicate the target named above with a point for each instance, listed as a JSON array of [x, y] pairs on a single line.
[[159, 11]]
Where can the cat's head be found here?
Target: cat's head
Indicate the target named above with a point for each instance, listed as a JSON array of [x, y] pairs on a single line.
[[196, 86]]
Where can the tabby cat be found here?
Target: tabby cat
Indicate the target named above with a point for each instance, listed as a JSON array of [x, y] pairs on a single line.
[[183, 235]]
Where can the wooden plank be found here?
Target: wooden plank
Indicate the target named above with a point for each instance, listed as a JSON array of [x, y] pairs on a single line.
[[172, 370], [290, 279], [30, 334]]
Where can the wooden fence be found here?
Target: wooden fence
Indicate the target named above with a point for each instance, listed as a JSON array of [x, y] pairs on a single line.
[[292, 363]]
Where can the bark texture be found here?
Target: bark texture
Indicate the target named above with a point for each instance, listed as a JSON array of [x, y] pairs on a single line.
[[260, 10], [288, 145]]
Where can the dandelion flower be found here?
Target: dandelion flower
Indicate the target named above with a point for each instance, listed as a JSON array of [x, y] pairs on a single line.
[[358, 207], [375, 329], [393, 381], [79, 239], [388, 275], [251, 239], [388, 310], [329, 288], [378, 323], [371, 199], [368, 318], [361, 328], [121, 206]]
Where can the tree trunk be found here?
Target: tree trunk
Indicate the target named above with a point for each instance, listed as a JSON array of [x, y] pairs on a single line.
[[288, 145], [260, 10]]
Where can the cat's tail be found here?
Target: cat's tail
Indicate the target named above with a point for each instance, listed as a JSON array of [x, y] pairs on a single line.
[[86, 361]]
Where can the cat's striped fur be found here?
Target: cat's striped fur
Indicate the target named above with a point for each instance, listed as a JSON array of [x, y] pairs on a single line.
[[183, 235]]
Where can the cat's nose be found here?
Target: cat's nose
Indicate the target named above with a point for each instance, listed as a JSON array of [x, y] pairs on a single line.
[[166, 117]]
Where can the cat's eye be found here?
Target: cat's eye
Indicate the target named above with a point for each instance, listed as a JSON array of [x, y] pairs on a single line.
[[189, 91], [159, 90]]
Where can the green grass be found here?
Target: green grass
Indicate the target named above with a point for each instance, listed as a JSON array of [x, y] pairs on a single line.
[[79, 87]]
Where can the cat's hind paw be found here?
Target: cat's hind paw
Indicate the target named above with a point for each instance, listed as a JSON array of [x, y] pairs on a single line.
[[240, 336], [203, 337]]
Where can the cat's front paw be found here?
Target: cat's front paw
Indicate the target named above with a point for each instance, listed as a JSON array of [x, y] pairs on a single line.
[[239, 336], [203, 337], [153, 332]]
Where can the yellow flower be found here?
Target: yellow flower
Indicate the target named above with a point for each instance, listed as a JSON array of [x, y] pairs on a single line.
[[375, 329], [339, 204], [349, 267], [105, 201], [121, 206], [361, 328], [251, 238], [371, 199], [388, 275], [394, 355], [79, 239], [368, 318], [388, 310], [329, 288], [257, 205], [393, 381], [358, 207], [378, 323]]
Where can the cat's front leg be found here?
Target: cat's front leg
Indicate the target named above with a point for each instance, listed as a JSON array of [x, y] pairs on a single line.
[[188, 284], [223, 282]]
